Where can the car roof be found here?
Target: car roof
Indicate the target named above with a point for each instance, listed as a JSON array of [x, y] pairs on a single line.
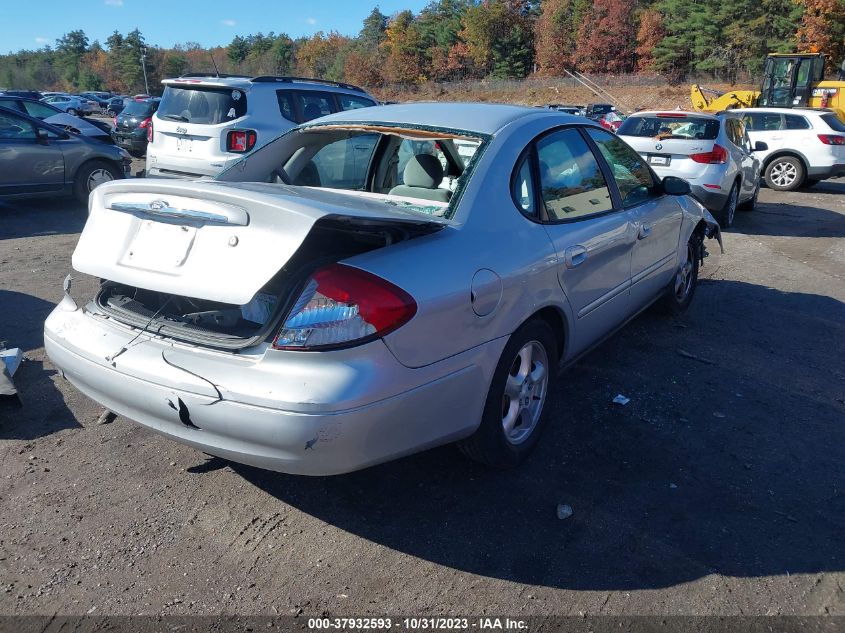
[[687, 113], [484, 118], [247, 82]]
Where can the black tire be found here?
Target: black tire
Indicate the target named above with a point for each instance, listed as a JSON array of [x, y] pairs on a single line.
[[750, 205], [784, 173], [72, 111], [83, 183], [728, 211], [681, 289], [491, 444]]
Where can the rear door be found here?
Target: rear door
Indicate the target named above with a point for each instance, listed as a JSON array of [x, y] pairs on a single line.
[[767, 128], [593, 238], [28, 164], [656, 217]]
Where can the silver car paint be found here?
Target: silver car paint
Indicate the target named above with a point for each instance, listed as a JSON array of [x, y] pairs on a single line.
[[475, 281]]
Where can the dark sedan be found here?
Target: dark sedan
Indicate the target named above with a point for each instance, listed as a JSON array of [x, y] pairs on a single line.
[[37, 158], [133, 124]]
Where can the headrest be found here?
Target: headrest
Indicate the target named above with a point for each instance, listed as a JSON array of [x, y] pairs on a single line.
[[423, 170]]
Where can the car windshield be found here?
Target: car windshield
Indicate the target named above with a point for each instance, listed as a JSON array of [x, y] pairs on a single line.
[[416, 170], [678, 126], [833, 122], [139, 108], [201, 104]]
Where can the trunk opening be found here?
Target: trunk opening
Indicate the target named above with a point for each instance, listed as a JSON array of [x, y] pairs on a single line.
[[232, 327]]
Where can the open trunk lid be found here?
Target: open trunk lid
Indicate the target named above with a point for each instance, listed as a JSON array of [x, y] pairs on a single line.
[[215, 241]]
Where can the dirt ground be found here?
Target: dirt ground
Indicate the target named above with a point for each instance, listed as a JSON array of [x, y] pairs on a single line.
[[719, 489]]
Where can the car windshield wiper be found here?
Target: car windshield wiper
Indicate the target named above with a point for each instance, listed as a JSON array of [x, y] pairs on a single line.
[[174, 117]]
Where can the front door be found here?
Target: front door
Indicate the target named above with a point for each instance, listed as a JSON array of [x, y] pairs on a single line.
[[28, 164], [656, 217]]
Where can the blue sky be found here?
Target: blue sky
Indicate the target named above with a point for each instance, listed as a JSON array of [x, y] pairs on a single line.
[[209, 22]]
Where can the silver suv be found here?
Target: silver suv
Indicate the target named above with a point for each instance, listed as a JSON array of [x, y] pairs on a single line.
[[711, 151], [206, 123]]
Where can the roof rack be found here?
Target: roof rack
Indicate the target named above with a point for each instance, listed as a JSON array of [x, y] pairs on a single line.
[[328, 82], [213, 75]]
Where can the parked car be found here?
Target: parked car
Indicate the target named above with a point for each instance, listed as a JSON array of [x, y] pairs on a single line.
[[805, 145], [611, 121], [46, 112], [595, 111], [101, 99], [322, 307], [711, 151], [132, 126], [71, 104], [37, 158], [115, 106], [205, 124], [26, 94]]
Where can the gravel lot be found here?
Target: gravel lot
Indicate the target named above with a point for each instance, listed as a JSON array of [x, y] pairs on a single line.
[[717, 490]]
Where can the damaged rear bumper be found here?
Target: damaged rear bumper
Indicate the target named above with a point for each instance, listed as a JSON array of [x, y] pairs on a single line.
[[300, 413]]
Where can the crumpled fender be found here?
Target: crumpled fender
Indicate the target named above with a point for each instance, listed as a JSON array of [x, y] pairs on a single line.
[[694, 213]]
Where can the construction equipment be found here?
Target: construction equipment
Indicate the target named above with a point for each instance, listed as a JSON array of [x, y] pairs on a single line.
[[790, 80]]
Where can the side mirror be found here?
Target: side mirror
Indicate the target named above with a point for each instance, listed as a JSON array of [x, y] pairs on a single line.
[[760, 146], [675, 186], [41, 135]]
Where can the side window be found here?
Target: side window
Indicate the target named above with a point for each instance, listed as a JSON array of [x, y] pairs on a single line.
[[632, 176], [39, 111], [795, 122], [522, 188], [285, 104], [342, 164], [15, 128], [348, 102], [571, 182], [313, 104]]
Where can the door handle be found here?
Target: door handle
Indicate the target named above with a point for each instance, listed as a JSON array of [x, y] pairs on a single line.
[[574, 256], [644, 232]]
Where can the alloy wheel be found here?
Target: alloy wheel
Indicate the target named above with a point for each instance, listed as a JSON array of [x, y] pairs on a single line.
[[783, 174], [525, 392], [683, 278]]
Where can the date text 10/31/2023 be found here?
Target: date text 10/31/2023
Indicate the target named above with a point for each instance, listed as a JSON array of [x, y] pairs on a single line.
[[417, 624]]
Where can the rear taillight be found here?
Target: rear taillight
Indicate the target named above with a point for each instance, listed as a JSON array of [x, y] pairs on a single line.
[[342, 306], [717, 156], [240, 140], [832, 139]]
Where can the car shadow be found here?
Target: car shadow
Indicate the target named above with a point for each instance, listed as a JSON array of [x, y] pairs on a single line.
[[788, 219], [34, 217], [727, 460], [40, 408]]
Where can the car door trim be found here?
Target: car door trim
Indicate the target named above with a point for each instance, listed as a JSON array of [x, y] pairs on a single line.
[[597, 303]]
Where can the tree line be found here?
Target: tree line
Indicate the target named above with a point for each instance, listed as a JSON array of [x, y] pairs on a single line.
[[453, 40]]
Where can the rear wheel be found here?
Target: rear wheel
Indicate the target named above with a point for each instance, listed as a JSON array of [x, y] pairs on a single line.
[[726, 216], [91, 175], [72, 111], [784, 173], [513, 412]]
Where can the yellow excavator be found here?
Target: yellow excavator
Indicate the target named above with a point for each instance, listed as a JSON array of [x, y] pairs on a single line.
[[790, 80]]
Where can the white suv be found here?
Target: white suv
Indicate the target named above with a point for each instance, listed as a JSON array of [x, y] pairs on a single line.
[[805, 145], [205, 123]]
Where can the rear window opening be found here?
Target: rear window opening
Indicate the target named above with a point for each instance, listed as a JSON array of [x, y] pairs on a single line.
[[833, 122], [140, 108], [670, 127], [202, 104], [232, 327]]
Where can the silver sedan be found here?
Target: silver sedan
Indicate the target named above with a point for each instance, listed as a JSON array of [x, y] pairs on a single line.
[[374, 283]]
